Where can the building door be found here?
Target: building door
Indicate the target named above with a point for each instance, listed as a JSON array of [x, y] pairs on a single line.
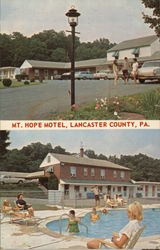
[[146, 191], [66, 191], [153, 191]]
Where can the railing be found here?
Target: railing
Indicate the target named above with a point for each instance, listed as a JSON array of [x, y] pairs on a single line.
[[60, 224]]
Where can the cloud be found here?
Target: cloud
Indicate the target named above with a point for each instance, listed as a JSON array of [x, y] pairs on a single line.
[[116, 20]]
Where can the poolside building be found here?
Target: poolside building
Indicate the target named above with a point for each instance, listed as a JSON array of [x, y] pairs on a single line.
[[147, 189], [77, 174]]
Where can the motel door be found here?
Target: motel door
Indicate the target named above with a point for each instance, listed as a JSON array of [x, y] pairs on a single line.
[[153, 191], [146, 191], [66, 191]]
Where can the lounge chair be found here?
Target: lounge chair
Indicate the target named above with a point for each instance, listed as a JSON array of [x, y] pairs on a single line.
[[130, 244]]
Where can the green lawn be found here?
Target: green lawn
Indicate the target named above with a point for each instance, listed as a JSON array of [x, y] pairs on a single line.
[[145, 104], [16, 84]]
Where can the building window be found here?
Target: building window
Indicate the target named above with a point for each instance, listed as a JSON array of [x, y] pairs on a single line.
[[85, 189], [119, 189], [102, 173], [49, 159], [85, 171], [73, 171], [92, 172], [114, 173], [122, 174], [36, 72]]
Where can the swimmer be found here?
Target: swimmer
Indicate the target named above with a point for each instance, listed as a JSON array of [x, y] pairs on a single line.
[[94, 216]]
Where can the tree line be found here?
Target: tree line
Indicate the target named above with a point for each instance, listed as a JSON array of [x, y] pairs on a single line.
[[29, 158], [48, 45]]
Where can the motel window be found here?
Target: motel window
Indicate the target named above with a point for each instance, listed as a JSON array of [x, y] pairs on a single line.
[[85, 189], [114, 173], [36, 72], [158, 188], [122, 174], [49, 159], [85, 171], [92, 172], [73, 171], [119, 189], [102, 173]]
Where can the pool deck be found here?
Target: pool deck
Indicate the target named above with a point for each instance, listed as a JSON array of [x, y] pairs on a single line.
[[15, 236]]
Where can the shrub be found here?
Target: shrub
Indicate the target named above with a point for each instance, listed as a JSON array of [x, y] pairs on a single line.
[[151, 104], [26, 82], [7, 82], [32, 80], [18, 78]]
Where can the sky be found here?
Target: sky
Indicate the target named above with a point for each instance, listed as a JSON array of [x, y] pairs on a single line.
[[116, 20], [107, 142]]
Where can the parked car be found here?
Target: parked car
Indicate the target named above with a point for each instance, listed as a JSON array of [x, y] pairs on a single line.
[[9, 179], [83, 75], [102, 74], [149, 71], [66, 76]]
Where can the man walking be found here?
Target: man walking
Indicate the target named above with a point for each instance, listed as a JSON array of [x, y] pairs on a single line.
[[125, 70]]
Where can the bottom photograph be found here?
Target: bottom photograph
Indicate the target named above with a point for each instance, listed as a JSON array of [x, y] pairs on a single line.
[[80, 189]]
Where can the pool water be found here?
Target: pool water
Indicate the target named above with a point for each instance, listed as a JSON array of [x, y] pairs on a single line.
[[114, 221]]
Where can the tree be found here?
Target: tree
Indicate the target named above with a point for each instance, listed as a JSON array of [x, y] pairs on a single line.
[[52, 182], [153, 20], [4, 142]]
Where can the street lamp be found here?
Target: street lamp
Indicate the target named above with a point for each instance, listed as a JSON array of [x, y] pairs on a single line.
[[73, 15]]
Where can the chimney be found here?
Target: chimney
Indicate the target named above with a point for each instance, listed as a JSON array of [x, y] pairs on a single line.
[[81, 152]]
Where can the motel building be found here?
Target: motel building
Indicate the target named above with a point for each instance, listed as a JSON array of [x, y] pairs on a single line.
[[146, 189], [77, 175], [9, 72], [143, 48]]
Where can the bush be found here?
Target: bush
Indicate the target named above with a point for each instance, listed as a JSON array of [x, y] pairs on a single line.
[[21, 77], [7, 82], [18, 78], [32, 80], [26, 82]]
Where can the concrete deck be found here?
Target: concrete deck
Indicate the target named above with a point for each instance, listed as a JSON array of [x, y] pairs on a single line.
[[15, 236]]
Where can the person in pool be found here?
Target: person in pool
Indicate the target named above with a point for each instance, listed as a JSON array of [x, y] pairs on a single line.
[[94, 216], [73, 221], [134, 212], [104, 211]]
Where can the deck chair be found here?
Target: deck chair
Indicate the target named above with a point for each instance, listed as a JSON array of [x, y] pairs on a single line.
[[130, 244]]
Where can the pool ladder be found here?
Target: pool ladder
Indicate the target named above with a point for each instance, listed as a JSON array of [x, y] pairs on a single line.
[[60, 224]]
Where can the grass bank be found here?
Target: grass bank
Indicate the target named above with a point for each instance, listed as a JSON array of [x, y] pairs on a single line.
[[138, 106], [16, 84]]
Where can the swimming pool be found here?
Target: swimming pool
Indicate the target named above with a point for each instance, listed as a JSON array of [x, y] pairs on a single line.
[[112, 222]]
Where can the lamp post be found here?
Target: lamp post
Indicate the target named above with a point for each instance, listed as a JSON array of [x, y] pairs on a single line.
[[73, 15]]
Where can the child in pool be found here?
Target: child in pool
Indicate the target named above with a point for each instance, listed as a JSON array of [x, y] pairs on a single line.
[[94, 216], [134, 212], [73, 222]]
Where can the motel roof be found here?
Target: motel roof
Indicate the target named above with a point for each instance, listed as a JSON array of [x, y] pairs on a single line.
[[63, 65], [133, 43], [62, 158], [95, 182]]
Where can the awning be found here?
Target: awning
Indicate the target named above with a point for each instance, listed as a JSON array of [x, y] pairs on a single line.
[[95, 182], [135, 51], [115, 54], [36, 175]]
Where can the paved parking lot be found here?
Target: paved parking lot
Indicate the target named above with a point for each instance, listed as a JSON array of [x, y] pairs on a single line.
[[39, 102]]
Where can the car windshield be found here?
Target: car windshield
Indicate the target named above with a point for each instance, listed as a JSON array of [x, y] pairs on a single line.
[[151, 64]]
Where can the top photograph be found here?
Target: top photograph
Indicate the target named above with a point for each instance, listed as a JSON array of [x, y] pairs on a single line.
[[80, 60]]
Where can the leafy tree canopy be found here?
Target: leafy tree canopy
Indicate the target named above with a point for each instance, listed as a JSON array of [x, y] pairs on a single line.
[[154, 20]]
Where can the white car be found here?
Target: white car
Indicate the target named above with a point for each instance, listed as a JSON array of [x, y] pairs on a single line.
[[102, 74], [9, 179], [149, 71]]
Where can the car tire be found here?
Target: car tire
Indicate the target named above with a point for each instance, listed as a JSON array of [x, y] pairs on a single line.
[[141, 80]]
